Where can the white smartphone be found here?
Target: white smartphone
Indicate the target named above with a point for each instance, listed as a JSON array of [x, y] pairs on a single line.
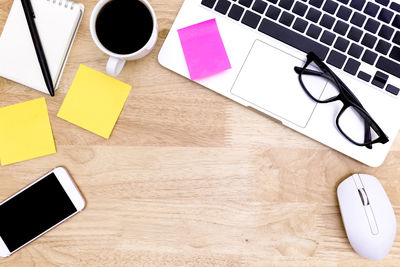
[[36, 209]]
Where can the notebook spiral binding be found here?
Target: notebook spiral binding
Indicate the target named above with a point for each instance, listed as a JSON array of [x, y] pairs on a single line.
[[66, 3]]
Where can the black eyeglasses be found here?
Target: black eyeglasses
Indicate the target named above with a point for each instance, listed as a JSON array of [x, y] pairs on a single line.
[[353, 121]]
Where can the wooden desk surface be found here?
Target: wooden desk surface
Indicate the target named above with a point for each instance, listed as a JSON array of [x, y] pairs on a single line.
[[189, 177]]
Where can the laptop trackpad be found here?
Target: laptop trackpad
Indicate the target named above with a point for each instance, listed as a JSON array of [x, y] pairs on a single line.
[[268, 81]]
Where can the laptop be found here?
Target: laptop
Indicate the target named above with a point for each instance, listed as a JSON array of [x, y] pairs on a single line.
[[265, 39]]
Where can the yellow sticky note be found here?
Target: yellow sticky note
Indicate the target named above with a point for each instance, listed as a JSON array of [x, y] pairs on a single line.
[[94, 101], [25, 132]]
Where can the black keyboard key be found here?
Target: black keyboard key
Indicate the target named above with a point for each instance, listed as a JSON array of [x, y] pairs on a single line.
[[208, 3], [392, 89], [327, 21], [380, 79], [330, 7], [369, 40], [352, 66], [344, 1], [355, 34], [246, 3], [396, 38], [251, 19], [222, 6], [369, 57], [293, 38], [327, 37], [372, 25], [341, 27], [394, 6], [386, 32], [316, 3], [371, 9], [341, 44], [336, 59], [286, 18], [395, 53], [260, 6], [273, 12], [389, 66], [364, 76], [355, 50], [286, 4], [385, 15], [396, 21], [273, 1], [313, 14], [236, 12], [357, 4], [299, 9], [382, 2], [300, 25], [344, 13], [314, 31], [358, 19], [383, 47]]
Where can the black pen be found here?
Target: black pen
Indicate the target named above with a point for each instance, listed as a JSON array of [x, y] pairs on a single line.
[[30, 15]]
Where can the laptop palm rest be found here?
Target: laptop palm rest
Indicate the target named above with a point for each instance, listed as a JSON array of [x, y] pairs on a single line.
[[274, 86]]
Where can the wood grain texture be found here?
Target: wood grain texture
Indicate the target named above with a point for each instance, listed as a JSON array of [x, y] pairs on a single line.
[[189, 178]]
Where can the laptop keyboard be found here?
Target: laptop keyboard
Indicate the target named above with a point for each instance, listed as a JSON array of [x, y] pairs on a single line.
[[344, 33]]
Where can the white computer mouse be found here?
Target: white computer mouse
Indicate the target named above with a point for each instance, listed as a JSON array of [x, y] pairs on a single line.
[[368, 216]]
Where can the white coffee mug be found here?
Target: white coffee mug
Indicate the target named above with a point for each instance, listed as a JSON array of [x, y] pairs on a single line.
[[117, 61]]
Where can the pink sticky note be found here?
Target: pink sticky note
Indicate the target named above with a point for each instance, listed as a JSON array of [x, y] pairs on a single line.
[[204, 50]]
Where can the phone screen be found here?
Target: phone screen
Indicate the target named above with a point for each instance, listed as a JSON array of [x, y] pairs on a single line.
[[34, 211]]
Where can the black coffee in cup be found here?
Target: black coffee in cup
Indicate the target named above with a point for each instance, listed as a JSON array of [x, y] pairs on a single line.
[[124, 26]]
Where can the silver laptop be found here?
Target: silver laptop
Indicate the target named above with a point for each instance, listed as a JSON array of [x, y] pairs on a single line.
[[265, 39]]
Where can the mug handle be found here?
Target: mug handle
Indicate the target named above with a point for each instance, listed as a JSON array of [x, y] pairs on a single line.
[[114, 66]]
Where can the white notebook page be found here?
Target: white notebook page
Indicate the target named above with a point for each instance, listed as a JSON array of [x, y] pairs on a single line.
[[57, 22]]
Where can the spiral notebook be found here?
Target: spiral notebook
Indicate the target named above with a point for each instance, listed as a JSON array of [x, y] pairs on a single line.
[[57, 22]]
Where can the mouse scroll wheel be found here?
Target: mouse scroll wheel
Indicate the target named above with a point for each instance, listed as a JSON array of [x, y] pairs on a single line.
[[363, 196]]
